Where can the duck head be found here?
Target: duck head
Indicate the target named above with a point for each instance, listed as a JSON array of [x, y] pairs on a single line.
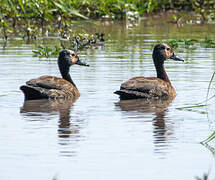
[[67, 58], [163, 52]]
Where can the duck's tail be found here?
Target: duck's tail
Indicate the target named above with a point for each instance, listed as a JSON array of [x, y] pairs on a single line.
[[129, 94], [32, 93]]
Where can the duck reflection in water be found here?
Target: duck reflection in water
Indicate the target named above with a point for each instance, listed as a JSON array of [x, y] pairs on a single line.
[[159, 107], [35, 108]]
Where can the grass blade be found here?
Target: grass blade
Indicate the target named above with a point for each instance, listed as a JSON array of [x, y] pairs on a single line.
[[194, 106], [210, 138], [212, 77]]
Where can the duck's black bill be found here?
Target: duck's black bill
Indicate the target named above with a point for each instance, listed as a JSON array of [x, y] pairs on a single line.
[[81, 63], [176, 58]]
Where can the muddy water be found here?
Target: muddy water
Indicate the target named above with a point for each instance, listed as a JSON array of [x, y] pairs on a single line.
[[98, 136]]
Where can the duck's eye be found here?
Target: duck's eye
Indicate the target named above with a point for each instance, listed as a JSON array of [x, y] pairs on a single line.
[[73, 54], [167, 49]]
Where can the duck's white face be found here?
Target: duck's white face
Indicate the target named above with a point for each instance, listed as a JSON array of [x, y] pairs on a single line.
[[168, 50], [73, 56], [170, 54], [163, 52]]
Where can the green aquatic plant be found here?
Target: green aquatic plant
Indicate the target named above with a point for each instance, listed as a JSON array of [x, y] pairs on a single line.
[[176, 18], [205, 9], [209, 87], [5, 28], [199, 105], [46, 52], [42, 11], [209, 147], [186, 43], [181, 43], [9, 9], [150, 5], [4, 24], [75, 41], [65, 11], [174, 43], [194, 108], [204, 103], [209, 139], [212, 136], [191, 43], [207, 43]]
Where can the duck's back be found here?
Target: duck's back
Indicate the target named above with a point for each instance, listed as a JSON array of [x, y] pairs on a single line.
[[145, 87], [49, 87]]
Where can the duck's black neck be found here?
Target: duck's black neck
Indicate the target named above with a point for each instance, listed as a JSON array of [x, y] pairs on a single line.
[[161, 73], [159, 59], [65, 74]]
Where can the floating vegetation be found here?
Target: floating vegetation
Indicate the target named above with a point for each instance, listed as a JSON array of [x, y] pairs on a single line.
[[207, 43], [183, 43], [46, 52], [176, 19], [190, 44], [75, 42], [174, 43]]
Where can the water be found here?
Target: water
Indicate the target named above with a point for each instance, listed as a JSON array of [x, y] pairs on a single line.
[[98, 136]]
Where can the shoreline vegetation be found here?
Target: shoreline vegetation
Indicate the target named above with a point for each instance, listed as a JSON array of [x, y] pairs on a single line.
[[32, 15], [37, 19]]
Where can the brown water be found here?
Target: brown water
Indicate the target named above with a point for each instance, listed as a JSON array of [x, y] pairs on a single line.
[[98, 136]]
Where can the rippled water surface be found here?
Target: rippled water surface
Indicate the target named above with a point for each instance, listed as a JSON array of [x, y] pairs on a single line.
[[98, 136]]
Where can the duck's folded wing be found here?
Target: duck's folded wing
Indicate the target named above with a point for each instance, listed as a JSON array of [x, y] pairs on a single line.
[[140, 87], [49, 87], [50, 82]]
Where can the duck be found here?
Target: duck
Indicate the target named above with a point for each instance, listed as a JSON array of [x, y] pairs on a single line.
[[152, 87], [102, 37], [98, 39], [51, 87]]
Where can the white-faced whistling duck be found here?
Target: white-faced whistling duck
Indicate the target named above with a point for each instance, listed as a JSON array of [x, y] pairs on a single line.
[[50, 87], [151, 87]]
